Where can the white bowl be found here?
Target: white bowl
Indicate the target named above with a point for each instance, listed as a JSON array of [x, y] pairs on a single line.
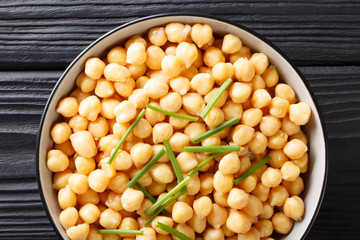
[[315, 178]]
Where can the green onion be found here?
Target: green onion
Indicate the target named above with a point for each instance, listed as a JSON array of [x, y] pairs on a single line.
[[171, 113], [127, 133], [252, 169], [214, 98], [216, 130], [214, 149], [174, 163], [172, 231], [146, 168], [167, 196], [162, 208], [148, 195], [121, 231], [201, 165]]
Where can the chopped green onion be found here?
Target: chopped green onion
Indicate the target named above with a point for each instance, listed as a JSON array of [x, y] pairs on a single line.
[[171, 113], [219, 128], [148, 195], [162, 208], [172, 231], [252, 169], [174, 163], [127, 133], [214, 149], [146, 168], [214, 98], [201, 165], [121, 231], [167, 196]]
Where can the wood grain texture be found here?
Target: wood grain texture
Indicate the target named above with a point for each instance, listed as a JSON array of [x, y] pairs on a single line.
[[33, 34]]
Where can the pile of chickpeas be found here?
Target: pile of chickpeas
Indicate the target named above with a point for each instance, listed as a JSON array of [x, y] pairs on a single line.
[[179, 68]]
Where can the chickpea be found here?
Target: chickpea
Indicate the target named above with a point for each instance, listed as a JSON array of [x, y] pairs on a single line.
[[98, 128], [284, 91], [180, 85], [90, 107], [79, 95], [257, 82], [243, 52], [171, 66], [260, 62], [67, 107], [253, 233], [61, 132], [231, 44], [198, 224], [238, 222], [258, 143], [278, 196], [278, 140], [78, 123], [78, 183], [159, 75], [261, 98], [261, 192], [90, 196], [85, 83], [193, 103], [249, 183], [139, 98], [178, 141], [211, 141], [267, 211], [179, 123], [295, 149], [156, 88], [118, 182], [110, 219], [221, 101], [271, 177], [104, 88], [161, 173], [157, 148], [125, 88], [84, 144], [251, 117], [78, 232], [230, 163], [237, 198], [242, 134], [289, 127], [89, 213], [94, 68], [175, 32], [98, 180], [187, 161], [107, 107], [214, 234], [136, 54], [57, 161], [113, 201], [300, 135], [302, 162], [201, 34], [132, 199], [189, 72], [215, 117], [143, 129], [217, 216], [128, 223], [66, 198], [290, 171], [171, 102], [295, 187], [294, 208], [117, 55], [270, 76], [221, 198], [68, 217], [269, 125], [299, 113], [117, 73], [206, 183], [165, 220], [187, 53], [154, 57], [60, 179], [254, 206], [156, 188], [265, 227], [149, 234], [212, 56], [223, 182], [222, 71], [185, 229], [282, 223], [202, 83], [240, 92], [181, 212], [193, 186], [157, 36], [202, 206], [232, 109], [108, 143], [140, 81], [125, 111], [141, 153], [244, 70], [245, 163]]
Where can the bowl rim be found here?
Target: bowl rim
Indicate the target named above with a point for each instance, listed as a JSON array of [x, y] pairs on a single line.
[[190, 14]]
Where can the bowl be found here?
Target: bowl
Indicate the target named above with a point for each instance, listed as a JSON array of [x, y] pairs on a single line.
[[315, 178]]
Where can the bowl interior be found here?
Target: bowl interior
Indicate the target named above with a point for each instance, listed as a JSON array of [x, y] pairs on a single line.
[[314, 179]]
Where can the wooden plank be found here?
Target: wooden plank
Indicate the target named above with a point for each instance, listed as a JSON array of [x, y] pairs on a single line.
[[49, 34]]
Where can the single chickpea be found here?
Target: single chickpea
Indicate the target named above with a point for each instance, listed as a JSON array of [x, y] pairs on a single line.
[[117, 55], [171, 66], [278, 140], [217, 216], [282, 223], [78, 232], [284, 91], [185, 229], [156, 88], [212, 56], [89, 197], [154, 57], [258, 143], [66, 198], [202, 83], [148, 234], [270, 76], [98, 180], [174, 32], [136, 54], [78, 123], [267, 211], [204, 69], [98, 128], [193, 186], [238, 222], [260, 62], [157, 36], [230, 163], [68, 107], [84, 144], [165, 220], [199, 61], [237, 198], [302, 162], [114, 201], [94, 68], [249, 183], [178, 141], [289, 127], [214, 234], [156, 188], [104, 88], [242, 134], [201, 34], [254, 206], [125, 111], [195, 129], [260, 98], [232, 110], [206, 183], [89, 213], [68, 217], [265, 227], [300, 135], [187, 53], [117, 73], [187, 161], [223, 182], [141, 153], [179, 123], [118, 183], [278, 196], [269, 125], [253, 233], [57, 161], [215, 117], [139, 98], [251, 117], [132, 199], [198, 224], [271, 177], [85, 83], [193, 103], [140, 81], [245, 163], [257, 82], [143, 129], [180, 85], [290, 171], [299, 113], [125, 88], [244, 70], [244, 52], [161, 173], [295, 149], [171, 102], [189, 72], [78, 183], [137, 71], [128, 223], [107, 107], [110, 219], [107, 144], [152, 116], [181, 212], [295, 187], [294, 208], [240, 92], [90, 107], [202, 206], [221, 198], [60, 179], [222, 71], [61, 132], [231, 44], [261, 192]]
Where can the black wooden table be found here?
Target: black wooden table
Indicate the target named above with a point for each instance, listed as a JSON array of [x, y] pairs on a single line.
[[38, 39]]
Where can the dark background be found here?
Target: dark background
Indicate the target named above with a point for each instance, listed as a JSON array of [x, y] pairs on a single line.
[[38, 39]]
